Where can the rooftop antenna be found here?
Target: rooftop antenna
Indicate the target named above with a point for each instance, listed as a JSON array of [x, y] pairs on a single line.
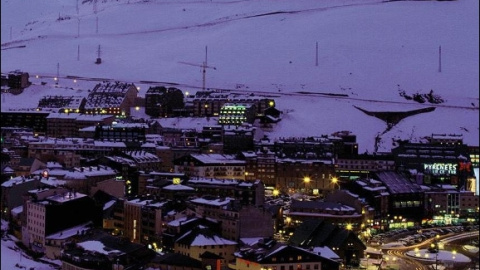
[[204, 67], [99, 60]]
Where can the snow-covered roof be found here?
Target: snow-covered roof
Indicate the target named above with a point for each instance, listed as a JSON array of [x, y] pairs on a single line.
[[178, 187], [214, 202], [218, 159], [64, 234], [97, 246]]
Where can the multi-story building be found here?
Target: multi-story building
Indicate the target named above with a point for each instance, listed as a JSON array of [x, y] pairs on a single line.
[[318, 233], [262, 163], [333, 212], [474, 181], [281, 256], [44, 207], [211, 166], [201, 240], [82, 179], [235, 219], [143, 220], [122, 132], [13, 190], [115, 98], [314, 176], [70, 151], [354, 201], [246, 192], [55, 242], [148, 182], [376, 194], [180, 137], [238, 138], [445, 205], [234, 114], [362, 166], [406, 200], [210, 103], [120, 253], [62, 104], [213, 133], [18, 79], [176, 224], [434, 162], [163, 102], [68, 125], [36, 120]]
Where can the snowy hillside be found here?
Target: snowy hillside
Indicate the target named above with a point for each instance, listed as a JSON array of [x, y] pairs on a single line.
[[369, 52]]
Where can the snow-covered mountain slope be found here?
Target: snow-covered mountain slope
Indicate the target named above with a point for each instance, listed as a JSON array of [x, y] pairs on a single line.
[[369, 54]]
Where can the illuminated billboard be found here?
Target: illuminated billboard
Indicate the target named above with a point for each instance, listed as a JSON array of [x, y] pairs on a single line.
[[440, 168]]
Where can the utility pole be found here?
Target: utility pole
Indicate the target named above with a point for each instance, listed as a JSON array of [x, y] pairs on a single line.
[[96, 29], [78, 28], [58, 74], [316, 55], [10, 33], [78, 53], [95, 6], [439, 58], [99, 60], [204, 69], [206, 53]]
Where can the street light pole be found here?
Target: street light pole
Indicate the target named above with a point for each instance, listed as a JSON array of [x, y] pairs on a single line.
[[306, 180], [335, 182]]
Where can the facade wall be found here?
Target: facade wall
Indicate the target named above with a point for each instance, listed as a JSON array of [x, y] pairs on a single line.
[[290, 176], [36, 222], [255, 222], [11, 197], [132, 221], [243, 264], [225, 251]]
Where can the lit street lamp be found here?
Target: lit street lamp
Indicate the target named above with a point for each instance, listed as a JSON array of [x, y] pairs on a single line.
[[306, 180], [335, 182]]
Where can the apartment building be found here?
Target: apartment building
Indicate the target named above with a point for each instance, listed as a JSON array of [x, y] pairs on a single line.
[[211, 166], [114, 98], [44, 207], [236, 220], [282, 257], [142, 220]]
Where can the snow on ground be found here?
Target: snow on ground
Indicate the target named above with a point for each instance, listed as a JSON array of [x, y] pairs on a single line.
[[368, 52], [15, 258]]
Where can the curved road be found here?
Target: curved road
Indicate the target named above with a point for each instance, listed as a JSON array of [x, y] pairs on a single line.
[[406, 262]]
